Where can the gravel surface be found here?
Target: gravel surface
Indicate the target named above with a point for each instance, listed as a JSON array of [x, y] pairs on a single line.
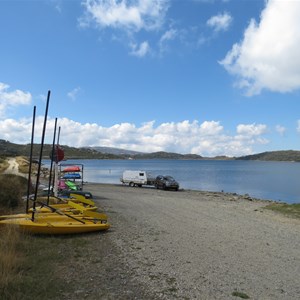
[[188, 245]]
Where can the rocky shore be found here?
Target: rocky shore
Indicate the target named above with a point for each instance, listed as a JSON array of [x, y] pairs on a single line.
[[188, 245]]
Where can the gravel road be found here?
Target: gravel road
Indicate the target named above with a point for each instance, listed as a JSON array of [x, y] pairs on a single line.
[[189, 245]]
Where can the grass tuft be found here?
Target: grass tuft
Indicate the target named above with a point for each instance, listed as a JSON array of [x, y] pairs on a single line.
[[240, 294]]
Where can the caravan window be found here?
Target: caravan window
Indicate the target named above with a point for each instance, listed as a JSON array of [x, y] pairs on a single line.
[[141, 174]]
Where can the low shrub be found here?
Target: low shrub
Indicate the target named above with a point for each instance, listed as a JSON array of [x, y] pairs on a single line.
[[12, 188], [3, 164]]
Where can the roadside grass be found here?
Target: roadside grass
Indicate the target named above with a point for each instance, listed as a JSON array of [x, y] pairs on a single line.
[[39, 266], [9, 258], [39, 277], [23, 164], [290, 210]]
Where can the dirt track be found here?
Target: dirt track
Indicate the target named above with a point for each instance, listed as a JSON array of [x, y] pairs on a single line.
[[188, 245]]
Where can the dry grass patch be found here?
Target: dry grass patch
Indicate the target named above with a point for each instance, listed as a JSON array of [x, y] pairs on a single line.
[[30, 266], [23, 163], [46, 262], [10, 259], [290, 210]]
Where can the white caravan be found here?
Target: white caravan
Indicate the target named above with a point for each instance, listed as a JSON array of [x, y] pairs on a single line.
[[137, 178]]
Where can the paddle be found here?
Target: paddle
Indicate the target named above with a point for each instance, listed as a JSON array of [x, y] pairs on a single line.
[[60, 212], [93, 214], [82, 199]]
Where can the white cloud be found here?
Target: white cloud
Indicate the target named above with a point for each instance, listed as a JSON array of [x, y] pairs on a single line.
[[251, 129], [207, 138], [131, 15], [210, 1], [168, 35], [268, 56], [12, 99], [280, 129], [298, 126], [220, 22], [140, 50], [57, 5], [73, 94]]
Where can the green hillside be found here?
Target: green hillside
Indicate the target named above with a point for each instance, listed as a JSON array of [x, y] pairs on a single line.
[[11, 149], [165, 155], [288, 155]]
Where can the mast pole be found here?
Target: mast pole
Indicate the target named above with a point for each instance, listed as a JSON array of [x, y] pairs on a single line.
[[52, 159], [40, 159], [56, 168], [30, 160]]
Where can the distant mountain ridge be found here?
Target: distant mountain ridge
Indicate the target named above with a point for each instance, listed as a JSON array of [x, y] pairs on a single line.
[[115, 151], [10, 149], [167, 155], [285, 155]]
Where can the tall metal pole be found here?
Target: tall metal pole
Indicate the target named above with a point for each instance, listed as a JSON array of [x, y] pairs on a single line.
[[58, 136], [30, 160], [52, 159], [40, 159], [55, 183]]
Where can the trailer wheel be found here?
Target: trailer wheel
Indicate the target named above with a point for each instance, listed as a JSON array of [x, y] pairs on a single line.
[[131, 184]]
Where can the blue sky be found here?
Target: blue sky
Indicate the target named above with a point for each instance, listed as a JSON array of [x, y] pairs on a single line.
[[211, 77]]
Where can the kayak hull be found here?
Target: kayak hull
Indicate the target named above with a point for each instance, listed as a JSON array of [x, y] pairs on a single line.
[[58, 225], [72, 169]]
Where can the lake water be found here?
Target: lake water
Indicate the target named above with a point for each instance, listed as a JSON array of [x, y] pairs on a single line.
[[266, 180]]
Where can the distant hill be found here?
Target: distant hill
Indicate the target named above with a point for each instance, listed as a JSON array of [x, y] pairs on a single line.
[[288, 155], [166, 155], [11, 149], [115, 151]]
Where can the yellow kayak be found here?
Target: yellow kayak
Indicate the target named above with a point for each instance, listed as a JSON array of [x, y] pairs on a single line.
[[56, 226], [73, 197], [70, 207], [54, 223]]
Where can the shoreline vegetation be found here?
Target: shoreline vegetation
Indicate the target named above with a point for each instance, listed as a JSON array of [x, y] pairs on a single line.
[[118, 257], [8, 149]]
